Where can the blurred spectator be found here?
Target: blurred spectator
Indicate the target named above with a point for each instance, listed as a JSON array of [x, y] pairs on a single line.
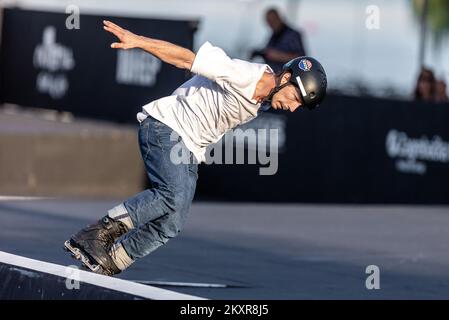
[[425, 86], [441, 92], [285, 43]]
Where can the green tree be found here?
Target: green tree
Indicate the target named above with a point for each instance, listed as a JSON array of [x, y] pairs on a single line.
[[438, 16]]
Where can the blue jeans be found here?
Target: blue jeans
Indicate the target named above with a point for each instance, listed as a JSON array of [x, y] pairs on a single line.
[[159, 213]]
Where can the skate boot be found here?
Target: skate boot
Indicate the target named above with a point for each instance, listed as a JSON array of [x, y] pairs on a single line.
[[92, 245]]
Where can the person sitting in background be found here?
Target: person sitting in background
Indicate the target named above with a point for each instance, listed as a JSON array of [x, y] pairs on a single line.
[[441, 92], [285, 43], [425, 86]]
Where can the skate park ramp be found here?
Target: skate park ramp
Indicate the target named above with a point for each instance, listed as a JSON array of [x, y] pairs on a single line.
[[258, 251], [63, 156], [24, 278]]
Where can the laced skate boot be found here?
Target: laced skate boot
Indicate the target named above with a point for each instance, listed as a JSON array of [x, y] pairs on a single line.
[[92, 245]]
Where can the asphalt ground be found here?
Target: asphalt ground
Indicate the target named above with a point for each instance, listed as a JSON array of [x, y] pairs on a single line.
[[263, 251]]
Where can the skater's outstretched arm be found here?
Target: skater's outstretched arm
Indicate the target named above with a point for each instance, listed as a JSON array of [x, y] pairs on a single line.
[[168, 52]]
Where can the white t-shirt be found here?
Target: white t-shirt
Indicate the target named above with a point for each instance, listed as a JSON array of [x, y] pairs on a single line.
[[217, 99]]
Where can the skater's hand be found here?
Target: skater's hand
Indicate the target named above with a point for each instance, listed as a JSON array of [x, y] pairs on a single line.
[[128, 40], [167, 52]]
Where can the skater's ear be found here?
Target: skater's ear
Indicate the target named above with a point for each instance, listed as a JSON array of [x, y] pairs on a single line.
[[285, 77]]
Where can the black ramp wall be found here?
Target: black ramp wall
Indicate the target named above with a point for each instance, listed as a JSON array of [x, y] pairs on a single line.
[[351, 150], [45, 64]]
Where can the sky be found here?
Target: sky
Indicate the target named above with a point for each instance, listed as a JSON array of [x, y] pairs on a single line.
[[381, 61]]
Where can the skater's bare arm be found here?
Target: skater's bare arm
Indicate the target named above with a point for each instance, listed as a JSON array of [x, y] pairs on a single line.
[[168, 52]]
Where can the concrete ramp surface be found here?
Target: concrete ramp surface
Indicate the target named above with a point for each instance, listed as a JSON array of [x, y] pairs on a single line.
[[24, 278]]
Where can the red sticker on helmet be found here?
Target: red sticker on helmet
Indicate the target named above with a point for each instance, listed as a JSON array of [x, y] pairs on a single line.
[[305, 65]]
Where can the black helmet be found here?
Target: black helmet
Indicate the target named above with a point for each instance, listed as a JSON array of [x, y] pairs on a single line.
[[309, 76]]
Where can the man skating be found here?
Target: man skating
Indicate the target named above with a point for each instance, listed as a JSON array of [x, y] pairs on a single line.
[[223, 94]]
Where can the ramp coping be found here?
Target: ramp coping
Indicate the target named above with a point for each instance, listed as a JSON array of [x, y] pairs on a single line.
[[116, 284]]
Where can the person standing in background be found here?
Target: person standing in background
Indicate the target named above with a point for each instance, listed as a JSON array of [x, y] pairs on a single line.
[[285, 43], [425, 86], [441, 92]]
